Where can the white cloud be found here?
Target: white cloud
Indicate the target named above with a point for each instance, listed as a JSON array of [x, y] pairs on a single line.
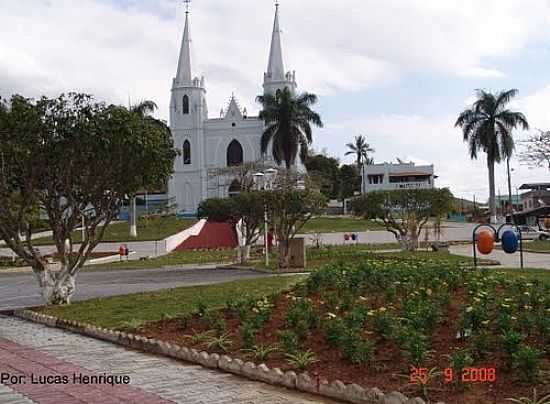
[[113, 51]]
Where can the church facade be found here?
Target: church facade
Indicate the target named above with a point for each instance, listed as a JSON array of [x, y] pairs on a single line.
[[210, 144]]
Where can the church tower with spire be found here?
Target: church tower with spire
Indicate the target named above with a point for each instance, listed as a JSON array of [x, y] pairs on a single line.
[[276, 78], [188, 113], [213, 150]]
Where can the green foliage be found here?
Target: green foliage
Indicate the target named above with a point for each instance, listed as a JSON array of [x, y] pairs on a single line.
[[217, 209], [414, 345], [527, 360], [197, 337], [289, 341], [404, 212], [247, 331], [302, 360], [510, 341], [288, 119], [73, 156], [261, 353], [222, 342], [460, 359], [301, 316]]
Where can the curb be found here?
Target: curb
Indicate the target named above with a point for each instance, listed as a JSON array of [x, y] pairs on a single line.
[[350, 393]]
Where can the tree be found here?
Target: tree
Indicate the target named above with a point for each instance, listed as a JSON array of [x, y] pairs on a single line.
[[325, 170], [350, 180], [288, 119], [361, 149], [537, 150], [487, 126], [144, 111], [72, 160], [404, 212], [290, 208], [245, 210]]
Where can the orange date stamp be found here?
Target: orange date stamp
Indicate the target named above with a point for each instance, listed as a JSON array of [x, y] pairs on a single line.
[[468, 375]]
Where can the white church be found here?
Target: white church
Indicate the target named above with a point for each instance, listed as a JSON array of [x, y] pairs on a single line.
[[209, 144]]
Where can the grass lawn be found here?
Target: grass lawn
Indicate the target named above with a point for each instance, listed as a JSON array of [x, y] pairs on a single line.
[[175, 258], [339, 224], [537, 246], [151, 229], [113, 312]]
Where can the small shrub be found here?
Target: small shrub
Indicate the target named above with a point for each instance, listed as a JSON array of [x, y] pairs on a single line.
[[247, 331], [414, 345], [302, 360], [527, 360], [480, 345], [383, 323], [460, 359], [335, 329], [199, 337], [289, 341], [510, 341], [222, 342], [261, 352], [301, 311], [200, 307]]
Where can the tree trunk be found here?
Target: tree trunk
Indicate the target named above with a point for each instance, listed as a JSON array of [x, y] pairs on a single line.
[[133, 218], [492, 198], [284, 254], [244, 254], [408, 242], [56, 290]]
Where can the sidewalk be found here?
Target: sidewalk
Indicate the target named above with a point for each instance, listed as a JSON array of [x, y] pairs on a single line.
[[531, 260], [27, 348]]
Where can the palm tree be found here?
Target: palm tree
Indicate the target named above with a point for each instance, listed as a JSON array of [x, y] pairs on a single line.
[[361, 149], [487, 126], [288, 120]]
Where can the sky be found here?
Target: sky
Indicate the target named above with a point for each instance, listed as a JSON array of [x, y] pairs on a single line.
[[396, 71]]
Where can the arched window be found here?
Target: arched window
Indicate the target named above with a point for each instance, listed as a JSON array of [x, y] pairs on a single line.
[[234, 188], [186, 152], [185, 105], [234, 154]]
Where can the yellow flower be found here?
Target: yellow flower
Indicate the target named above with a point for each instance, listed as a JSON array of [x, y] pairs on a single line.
[[363, 298], [429, 292], [485, 322], [331, 315], [382, 309], [469, 309]]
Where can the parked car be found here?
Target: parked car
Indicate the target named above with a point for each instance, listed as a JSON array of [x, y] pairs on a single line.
[[532, 233]]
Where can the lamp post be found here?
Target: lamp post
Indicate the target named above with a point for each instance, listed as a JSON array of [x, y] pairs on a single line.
[[265, 181], [510, 202]]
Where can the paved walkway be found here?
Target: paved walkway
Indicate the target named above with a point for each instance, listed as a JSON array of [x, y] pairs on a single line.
[[531, 260], [30, 349]]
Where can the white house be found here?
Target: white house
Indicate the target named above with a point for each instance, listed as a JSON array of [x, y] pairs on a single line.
[[210, 144], [389, 176]]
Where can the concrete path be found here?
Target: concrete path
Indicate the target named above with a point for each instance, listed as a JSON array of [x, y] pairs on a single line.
[[30, 349], [450, 232], [21, 290], [531, 260]]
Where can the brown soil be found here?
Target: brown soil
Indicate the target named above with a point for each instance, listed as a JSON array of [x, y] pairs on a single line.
[[389, 372]]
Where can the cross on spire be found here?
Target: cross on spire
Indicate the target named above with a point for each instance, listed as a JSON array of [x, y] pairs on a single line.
[[187, 3]]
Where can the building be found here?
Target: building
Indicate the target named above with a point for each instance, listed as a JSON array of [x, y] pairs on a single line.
[[210, 144], [536, 203], [389, 176]]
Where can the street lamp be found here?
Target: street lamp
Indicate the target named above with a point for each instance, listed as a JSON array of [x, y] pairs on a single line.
[[264, 181]]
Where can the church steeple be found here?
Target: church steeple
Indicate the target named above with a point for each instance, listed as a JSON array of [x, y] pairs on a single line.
[[183, 75], [275, 67], [276, 78]]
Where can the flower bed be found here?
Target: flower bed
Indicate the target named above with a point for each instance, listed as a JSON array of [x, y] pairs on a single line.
[[381, 322]]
